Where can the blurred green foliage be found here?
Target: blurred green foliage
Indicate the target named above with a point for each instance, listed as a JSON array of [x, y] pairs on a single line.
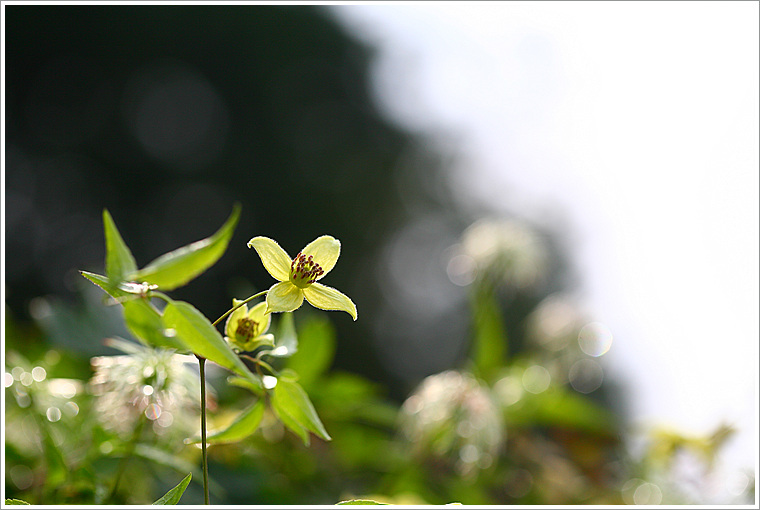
[[495, 439], [291, 133]]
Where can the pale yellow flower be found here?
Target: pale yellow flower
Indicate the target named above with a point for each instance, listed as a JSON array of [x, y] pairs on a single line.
[[298, 277], [245, 329]]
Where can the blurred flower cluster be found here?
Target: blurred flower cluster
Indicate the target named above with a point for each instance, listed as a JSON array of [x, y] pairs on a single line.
[[452, 416], [503, 250], [154, 383]]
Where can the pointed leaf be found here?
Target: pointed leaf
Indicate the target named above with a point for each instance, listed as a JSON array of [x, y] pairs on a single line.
[[256, 388], [102, 282], [316, 349], [178, 267], [198, 335], [172, 497], [242, 426], [146, 324], [119, 260], [15, 502], [288, 398], [291, 423]]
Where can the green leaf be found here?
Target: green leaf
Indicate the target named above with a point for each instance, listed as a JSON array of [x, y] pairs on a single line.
[[146, 324], [560, 407], [198, 335], [291, 401], [178, 267], [172, 497], [286, 339], [102, 282], [119, 260], [361, 502], [490, 338], [292, 424], [15, 502], [316, 349], [242, 426], [256, 388]]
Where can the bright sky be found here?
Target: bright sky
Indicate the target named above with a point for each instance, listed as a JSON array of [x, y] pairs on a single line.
[[637, 122]]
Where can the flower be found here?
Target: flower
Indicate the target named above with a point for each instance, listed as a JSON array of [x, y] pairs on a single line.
[[452, 416], [245, 329], [145, 380], [298, 277]]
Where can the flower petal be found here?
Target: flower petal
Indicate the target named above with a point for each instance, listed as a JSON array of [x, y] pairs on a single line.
[[325, 250], [258, 315], [275, 259], [232, 319], [284, 297], [327, 298]]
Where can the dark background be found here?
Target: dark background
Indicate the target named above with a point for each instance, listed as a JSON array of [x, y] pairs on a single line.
[[167, 115]]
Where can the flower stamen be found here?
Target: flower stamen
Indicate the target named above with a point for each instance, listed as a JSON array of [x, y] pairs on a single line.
[[246, 330], [304, 271]]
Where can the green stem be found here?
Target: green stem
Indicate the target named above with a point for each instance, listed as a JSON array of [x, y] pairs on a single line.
[[128, 454], [202, 366], [217, 321], [260, 362]]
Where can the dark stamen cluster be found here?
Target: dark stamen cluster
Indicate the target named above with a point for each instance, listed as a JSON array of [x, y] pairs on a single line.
[[246, 329], [305, 269]]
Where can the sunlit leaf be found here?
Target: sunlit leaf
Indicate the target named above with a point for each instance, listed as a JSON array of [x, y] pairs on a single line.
[[172, 497], [257, 388], [361, 502], [291, 424], [119, 260], [146, 324], [290, 400], [198, 335], [241, 427], [178, 267], [316, 348], [15, 502], [102, 282]]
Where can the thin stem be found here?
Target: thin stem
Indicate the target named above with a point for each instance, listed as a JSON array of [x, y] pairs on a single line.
[[202, 366], [260, 362], [127, 455], [217, 321]]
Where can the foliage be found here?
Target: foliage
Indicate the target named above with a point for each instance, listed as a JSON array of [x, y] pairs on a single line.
[[509, 425]]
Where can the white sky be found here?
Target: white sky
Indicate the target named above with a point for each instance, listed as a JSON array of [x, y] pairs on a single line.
[[638, 122]]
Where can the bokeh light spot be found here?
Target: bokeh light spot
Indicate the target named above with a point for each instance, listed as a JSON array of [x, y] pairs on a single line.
[[71, 408], [595, 339], [39, 374], [586, 375], [21, 476], [27, 379], [53, 414], [508, 390], [647, 494], [536, 379], [153, 412], [461, 270], [65, 388]]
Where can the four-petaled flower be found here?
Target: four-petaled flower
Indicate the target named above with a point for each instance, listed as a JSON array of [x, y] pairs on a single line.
[[298, 277], [245, 329]]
